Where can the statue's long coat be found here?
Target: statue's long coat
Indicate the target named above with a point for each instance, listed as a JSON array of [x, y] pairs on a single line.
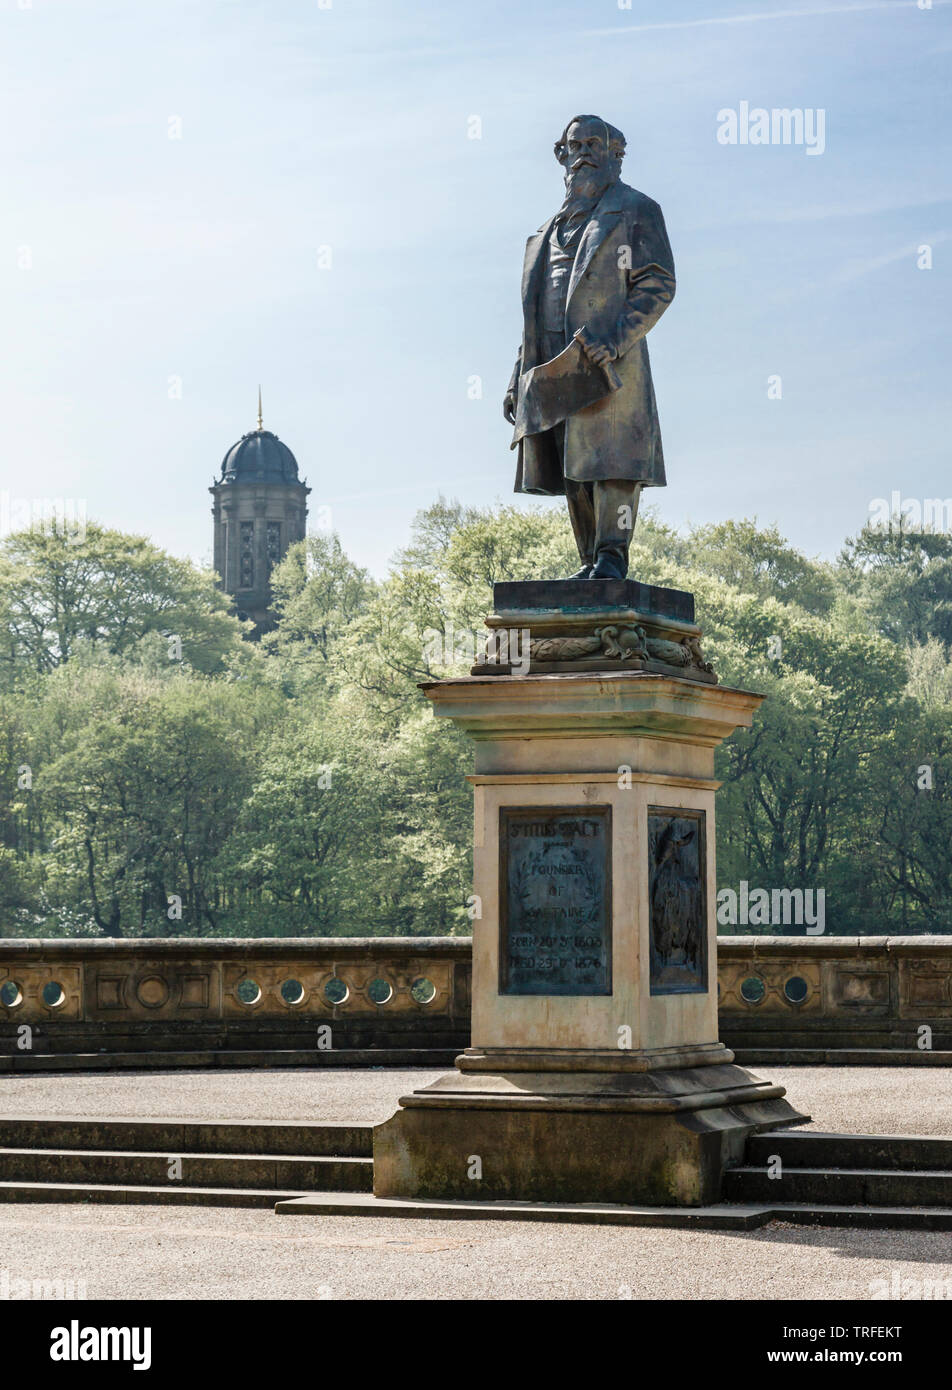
[[617, 294]]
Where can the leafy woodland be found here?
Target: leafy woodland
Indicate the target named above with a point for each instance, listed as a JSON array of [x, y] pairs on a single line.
[[162, 775]]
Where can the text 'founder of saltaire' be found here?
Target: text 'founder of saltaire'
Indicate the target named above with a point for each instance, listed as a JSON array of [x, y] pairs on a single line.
[[597, 277]]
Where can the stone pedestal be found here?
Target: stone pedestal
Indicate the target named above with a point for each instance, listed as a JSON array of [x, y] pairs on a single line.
[[593, 625], [595, 1071]]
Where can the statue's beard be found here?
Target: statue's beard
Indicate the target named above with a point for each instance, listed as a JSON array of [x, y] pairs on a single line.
[[587, 182]]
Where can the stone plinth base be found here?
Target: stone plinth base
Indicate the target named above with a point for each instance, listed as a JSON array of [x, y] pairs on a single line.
[[593, 625], [659, 1137], [595, 1073]]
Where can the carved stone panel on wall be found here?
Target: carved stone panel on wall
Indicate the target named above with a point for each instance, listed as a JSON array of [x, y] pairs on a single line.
[[925, 985], [138, 988], [864, 990], [677, 900], [555, 909]]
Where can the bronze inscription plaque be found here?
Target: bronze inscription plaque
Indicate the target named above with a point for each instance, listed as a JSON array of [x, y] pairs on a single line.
[[555, 909], [678, 900]]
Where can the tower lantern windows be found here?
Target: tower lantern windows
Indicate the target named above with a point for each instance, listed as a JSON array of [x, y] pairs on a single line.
[[274, 544], [247, 556]]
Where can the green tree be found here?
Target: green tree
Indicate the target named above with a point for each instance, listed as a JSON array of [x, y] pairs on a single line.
[[317, 593], [759, 561], [145, 779], [302, 785], [902, 581], [58, 592]]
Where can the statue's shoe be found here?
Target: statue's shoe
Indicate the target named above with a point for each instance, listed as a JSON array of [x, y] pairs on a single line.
[[607, 567], [584, 573]]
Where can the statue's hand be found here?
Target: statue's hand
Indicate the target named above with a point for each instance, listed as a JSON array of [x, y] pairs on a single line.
[[509, 407], [600, 350]]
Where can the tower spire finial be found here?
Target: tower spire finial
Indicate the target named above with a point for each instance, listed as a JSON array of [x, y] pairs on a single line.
[[260, 417]]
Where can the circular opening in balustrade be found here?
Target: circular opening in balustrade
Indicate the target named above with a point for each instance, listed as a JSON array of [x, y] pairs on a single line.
[[423, 990], [380, 990], [292, 991], [796, 989], [753, 989], [10, 994], [152, 992], [248, 991], [53, 994], [335, 991]]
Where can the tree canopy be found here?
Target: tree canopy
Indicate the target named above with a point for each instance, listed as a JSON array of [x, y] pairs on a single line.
[[159, 774], [59, 590]]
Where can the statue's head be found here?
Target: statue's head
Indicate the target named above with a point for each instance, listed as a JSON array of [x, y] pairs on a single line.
[[590, 151]]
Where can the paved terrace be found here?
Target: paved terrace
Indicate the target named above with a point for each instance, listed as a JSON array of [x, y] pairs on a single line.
[[213, 1253]]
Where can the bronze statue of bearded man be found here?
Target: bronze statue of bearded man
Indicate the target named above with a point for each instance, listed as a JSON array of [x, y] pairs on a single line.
[[597, 276]]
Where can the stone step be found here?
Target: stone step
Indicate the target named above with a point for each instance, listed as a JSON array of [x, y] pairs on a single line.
[[134, 1195], [302, 1139], [719, 1217], [877, 1218], [722, 1216], [267, 1171], [839, 1187], [837, 1056], [232, 1060], [235, 1059], [814, 1149]]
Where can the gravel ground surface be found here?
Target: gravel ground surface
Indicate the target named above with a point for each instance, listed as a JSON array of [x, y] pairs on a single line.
[[331, 1093], [196, 1253], [870, 1100], [881, 1100]]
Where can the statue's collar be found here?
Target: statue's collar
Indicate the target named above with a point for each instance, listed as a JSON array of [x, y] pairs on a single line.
[[611, 200]]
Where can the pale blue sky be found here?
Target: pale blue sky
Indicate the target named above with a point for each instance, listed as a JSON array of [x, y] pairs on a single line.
[[346, 127]]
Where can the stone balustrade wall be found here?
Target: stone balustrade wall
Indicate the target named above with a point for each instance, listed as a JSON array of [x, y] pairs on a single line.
[[834, 992], [209, 995], [414, 993]]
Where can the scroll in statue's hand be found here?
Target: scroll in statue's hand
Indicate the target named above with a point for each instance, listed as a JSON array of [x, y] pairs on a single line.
[[509, 407], [598, 350]]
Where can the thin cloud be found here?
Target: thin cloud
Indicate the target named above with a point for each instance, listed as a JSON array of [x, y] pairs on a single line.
[[866, 267], [856, 270], [781, 216], [760, 17]]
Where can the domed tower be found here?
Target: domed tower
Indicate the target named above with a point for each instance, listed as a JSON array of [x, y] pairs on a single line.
[[260, 508]]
